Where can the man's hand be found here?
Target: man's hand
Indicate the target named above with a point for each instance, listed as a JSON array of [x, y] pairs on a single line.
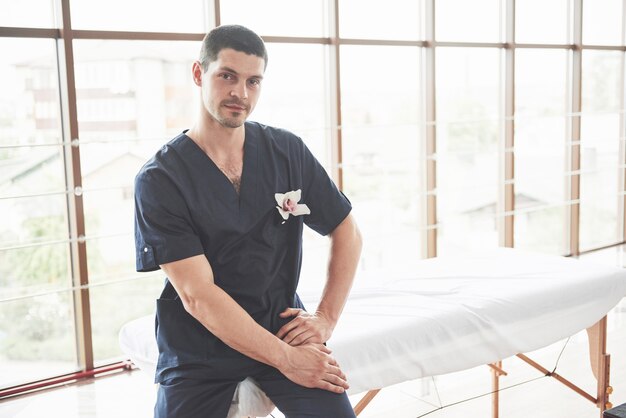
[[305, 328], [312, 366]]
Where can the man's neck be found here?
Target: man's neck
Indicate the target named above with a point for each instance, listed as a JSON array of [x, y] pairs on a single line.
[[216, 140]]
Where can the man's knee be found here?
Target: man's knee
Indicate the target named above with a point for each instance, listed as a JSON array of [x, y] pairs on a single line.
[[296, 401], [317, 404]]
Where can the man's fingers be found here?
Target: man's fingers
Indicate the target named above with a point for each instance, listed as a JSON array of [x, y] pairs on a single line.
[[333, 362], [337, 381], [336, 371], [289, 312], [314, 367], [291, 325], [287, 328], [295, 338], [323, 349], [299, 331], [334, 381], [330, 387], [315, 330], [292, 337]]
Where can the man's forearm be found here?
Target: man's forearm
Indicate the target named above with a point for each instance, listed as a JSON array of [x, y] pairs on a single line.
[[235, 327], [345, 252], [310, 365], [219, 312]]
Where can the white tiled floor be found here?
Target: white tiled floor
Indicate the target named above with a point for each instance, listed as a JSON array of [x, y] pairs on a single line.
[[132, 394]]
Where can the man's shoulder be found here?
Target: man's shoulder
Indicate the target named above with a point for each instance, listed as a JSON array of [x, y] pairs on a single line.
[[273, 134], [163, 159]]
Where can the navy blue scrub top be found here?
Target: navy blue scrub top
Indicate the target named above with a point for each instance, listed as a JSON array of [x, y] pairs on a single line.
[[185, 206]]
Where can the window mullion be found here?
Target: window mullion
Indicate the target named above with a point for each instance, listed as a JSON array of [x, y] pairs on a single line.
[[73, 178], [574, 128], [507, 175]]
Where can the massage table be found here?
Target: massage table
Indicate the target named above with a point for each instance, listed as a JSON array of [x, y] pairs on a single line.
[[441, 315]]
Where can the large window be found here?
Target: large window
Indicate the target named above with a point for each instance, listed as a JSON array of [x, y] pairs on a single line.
[[541, 150], [140, 15], [452, 126], [278, 17], [36, 312], [601, 132], [541, 22], [469, 21], [27, 13], [468, 94], [132, 96], [381, 131], [395, 19]]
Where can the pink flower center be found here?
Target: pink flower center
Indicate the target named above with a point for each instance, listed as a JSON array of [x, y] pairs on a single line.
[[289, 205]]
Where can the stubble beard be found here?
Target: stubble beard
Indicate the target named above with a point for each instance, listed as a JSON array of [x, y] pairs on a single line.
[[231, 122], [229, 118]]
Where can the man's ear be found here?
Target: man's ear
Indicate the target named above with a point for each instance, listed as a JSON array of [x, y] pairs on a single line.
[[196, 73]]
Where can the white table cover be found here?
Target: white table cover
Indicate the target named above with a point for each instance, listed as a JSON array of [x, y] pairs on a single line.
[[445, 315]]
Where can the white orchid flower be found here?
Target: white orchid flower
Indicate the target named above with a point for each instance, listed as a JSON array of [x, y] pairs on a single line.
[[288, 204]]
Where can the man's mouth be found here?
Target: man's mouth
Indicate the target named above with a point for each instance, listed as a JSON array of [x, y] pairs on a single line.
[[238, 107]]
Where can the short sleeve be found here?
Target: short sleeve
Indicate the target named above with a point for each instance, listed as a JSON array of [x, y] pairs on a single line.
[[328, 205], [164, 230]]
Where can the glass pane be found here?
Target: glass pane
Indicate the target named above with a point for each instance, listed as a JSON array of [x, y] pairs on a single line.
[[111, 258], [467, 21], [133, 89], [29, 118], [114, 305], [108, 196], [31, 162], [368, 98], [315, 252], [541, 22], [29, 103], [277, 17], [27, 13], [382, 151], [36, 338], [542, 229], [602, 75], [130, 101], [139, 15], [468, 93], [113, 166], [30, 170], [540, 150], [33, 219], [599, 186], [600, 139], [33, 269], [600, 194], [602, 22], [301, 69], [372, 19]]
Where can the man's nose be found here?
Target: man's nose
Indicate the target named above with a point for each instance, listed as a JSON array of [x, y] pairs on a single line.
[[240, 90]]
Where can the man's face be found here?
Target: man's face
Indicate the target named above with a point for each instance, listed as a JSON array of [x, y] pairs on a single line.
[[231, 87]]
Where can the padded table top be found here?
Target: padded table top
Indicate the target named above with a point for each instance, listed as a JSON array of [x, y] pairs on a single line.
[[445, 315]]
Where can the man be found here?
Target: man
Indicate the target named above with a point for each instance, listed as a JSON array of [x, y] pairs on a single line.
[[220, 208]]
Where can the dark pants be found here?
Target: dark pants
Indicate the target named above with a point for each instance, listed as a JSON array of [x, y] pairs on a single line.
[[194, 398]]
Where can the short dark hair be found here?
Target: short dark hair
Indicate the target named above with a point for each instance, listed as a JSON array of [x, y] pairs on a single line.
[[236, 37]]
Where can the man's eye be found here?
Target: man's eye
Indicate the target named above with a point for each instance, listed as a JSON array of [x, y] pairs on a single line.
[[255, 82], [226, 76]]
